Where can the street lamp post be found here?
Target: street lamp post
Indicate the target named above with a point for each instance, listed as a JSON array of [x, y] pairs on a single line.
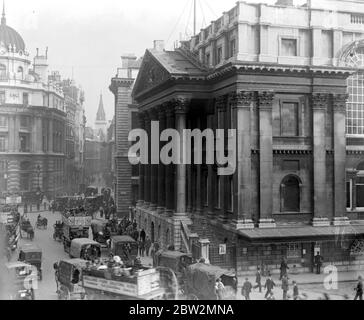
[[38, 193]]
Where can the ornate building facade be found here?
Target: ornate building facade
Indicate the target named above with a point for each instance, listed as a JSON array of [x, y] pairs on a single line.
[[288, 80], [32, 121], [126, 119]]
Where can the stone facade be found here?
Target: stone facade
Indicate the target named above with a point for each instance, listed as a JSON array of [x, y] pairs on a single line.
[[296, 164], [126, 184]]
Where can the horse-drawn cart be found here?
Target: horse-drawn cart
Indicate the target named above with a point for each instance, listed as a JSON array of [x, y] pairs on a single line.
[[27, 228]]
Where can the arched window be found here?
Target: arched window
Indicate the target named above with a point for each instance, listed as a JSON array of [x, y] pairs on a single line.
[[290, 194], [21, 72]]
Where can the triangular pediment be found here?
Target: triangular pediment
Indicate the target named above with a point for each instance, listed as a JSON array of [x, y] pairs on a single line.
[[150, 75]]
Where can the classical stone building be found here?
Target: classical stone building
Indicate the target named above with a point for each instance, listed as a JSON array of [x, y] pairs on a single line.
[[288, 79], [32, 121], [127, 180]]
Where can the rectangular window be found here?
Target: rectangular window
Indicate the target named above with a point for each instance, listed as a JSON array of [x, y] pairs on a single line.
[[24, 122], [2, 97], [289, 47], [219, 55], [349, 194], [24, 142], [25, 99], [3, 144], [232, 47], [207, 59], [3, 121], [289, 119], [360, 192]]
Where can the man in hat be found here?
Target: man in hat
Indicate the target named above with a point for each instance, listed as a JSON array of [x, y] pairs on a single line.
[[359, 289], [246, 289]]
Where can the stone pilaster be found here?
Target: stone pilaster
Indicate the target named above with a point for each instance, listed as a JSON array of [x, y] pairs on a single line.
[[198, 181], [241, 104], [319, 106], [211, 179], [339, 108], [265, 103]]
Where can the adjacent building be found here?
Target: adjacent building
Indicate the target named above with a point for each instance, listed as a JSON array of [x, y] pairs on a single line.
[[289, 80], [32, 121], [126, 119]]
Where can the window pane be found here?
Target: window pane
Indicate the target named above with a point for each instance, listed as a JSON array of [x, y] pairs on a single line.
[[289, 47], [289, 119], [360, 196], [291, 195]]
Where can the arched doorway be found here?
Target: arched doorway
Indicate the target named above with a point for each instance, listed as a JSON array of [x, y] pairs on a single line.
[[152, 232], [290, 194]]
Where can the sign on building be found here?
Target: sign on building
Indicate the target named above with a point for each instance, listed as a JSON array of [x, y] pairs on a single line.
[[222, 249]]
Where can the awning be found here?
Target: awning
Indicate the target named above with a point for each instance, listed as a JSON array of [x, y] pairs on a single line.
[[306, 233]]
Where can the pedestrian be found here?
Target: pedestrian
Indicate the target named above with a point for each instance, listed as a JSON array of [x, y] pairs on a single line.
[[148, 244], [234, 285], [318, 262], [220, 289], [359, 289], [141, 248], [285, 286], [142, 235], [283, 268], [246, 289], [295, 291], [269, 285], [258, 280]]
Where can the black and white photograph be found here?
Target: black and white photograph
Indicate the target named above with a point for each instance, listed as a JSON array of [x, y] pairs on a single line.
[[184, 150]]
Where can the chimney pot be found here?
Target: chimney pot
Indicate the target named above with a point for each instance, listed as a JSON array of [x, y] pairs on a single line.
[[159, 45]]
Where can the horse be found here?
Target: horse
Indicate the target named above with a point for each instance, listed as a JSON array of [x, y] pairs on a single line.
[[42, 223]]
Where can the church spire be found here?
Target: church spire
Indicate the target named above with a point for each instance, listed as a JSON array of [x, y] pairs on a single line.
[[3, 18], [100, 116]]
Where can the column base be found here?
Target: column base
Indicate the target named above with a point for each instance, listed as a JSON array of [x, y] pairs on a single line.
[[320, 222], [140, 203], [243, 224], [153, 207], [223, 219], [266, 223], [168, 212], [161, 210], [341, 221], [146, 204]]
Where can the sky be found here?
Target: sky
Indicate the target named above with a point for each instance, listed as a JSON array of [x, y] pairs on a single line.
[[85, 38]]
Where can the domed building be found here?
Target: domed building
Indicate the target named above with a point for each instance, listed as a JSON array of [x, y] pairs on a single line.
[[32, 122]]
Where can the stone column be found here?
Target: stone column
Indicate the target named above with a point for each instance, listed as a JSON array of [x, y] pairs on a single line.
[[12, 134], [221, 106], [147, 169], [153, 114], [319, 105], [265, 102], [190, 207], [198, 180], [169, 171], [141, 166], [161, 166], [241, 104], [181, 109], [211, 178], [339, 128]]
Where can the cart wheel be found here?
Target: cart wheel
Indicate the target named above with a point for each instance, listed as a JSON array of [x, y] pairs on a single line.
[[192, 297]]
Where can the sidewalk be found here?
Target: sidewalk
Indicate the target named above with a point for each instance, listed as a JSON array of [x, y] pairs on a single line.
[[310, 278]]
